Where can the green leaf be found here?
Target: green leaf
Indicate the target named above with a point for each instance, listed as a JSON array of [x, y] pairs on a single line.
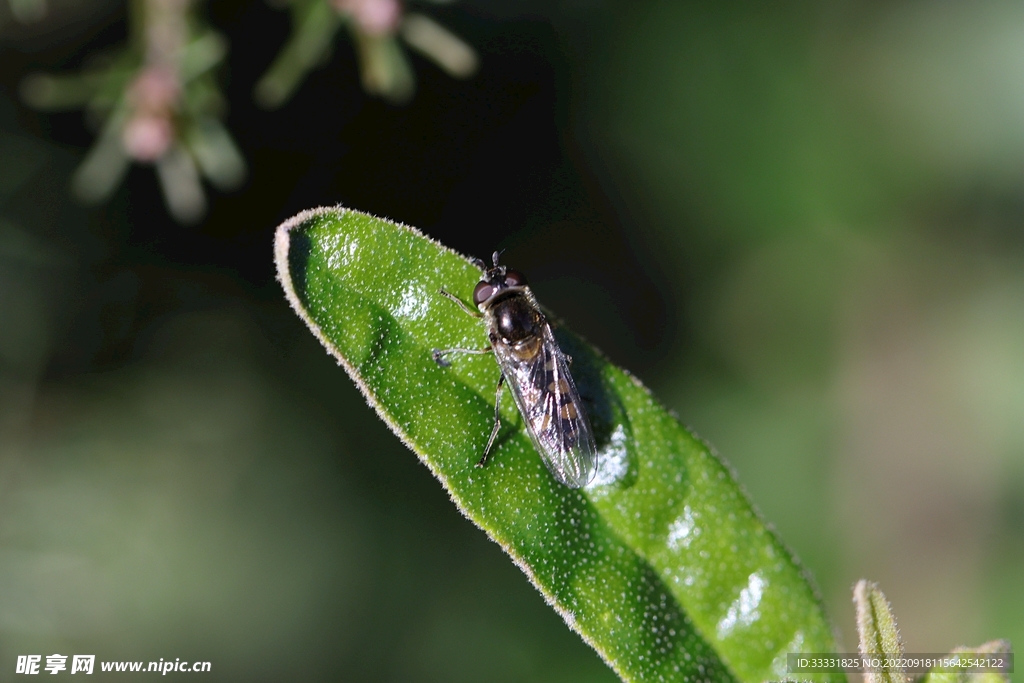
[[876, 630], [990, 650], [314, 25], [662, 564]]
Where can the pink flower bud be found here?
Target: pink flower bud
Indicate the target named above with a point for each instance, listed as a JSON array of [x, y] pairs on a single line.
[[373, 17], [155, 89], [146, 137]]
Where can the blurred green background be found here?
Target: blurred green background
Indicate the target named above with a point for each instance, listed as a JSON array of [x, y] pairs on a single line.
[[802, 225]]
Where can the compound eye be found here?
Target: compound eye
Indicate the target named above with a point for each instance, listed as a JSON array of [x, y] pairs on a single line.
[[513, 278], [484, 290]]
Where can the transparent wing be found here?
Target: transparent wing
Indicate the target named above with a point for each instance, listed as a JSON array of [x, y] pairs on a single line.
[[551, 407]]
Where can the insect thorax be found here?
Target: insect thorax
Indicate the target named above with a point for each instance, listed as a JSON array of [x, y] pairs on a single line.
[[514, 320]]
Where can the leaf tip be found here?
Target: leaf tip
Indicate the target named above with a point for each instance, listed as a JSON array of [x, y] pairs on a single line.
[[876, 628]]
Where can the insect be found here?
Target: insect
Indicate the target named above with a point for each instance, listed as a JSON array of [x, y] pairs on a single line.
[[536, 371]]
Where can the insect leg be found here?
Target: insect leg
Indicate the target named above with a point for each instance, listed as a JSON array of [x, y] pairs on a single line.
[[469, 311], [439, 354], [497, 422]]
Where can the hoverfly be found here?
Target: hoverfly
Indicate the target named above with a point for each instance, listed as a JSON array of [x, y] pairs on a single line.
[[536, 370]]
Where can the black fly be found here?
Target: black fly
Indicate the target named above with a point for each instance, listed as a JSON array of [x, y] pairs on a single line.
[[536, 371]]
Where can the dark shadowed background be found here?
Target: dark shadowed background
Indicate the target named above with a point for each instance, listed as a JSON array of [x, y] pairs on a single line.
[[802, 226]]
